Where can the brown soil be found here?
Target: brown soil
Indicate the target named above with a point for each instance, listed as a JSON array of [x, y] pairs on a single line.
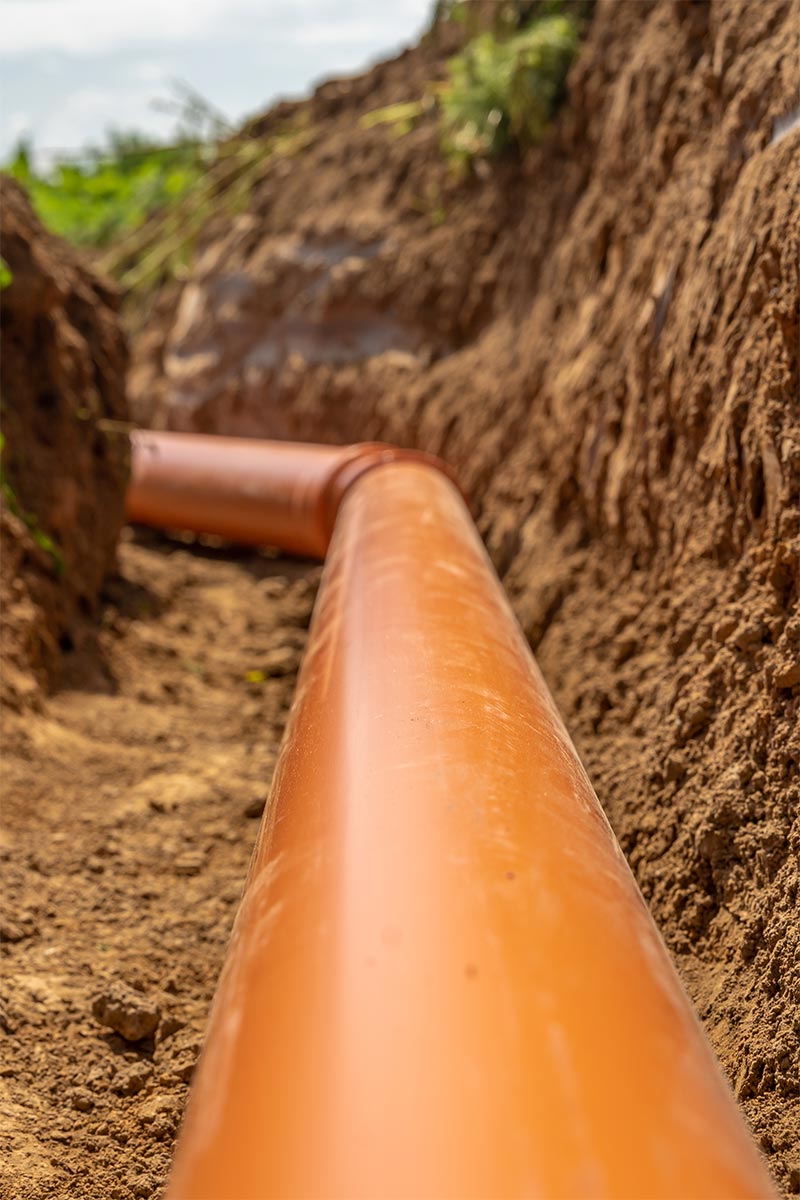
[[128, 820], [602, 338], [65, 463]]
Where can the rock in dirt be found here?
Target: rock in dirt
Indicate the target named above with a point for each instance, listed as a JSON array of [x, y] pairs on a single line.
[[81, 1100], [177, 1056], [129, 1013], [132, 1079], [255, 807]]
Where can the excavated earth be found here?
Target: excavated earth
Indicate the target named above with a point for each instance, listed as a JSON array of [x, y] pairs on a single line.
[[129, 814], [602, 337]]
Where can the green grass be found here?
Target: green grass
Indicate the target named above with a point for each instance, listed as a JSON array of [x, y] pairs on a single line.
[[42, 539], [141, 206], [112, 192], [502, 92]]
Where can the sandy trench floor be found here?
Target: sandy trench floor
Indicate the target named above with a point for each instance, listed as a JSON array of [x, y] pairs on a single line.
[[129, 811]]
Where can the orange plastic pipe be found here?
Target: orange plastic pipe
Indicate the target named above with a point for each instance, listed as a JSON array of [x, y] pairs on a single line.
[[283, 494], [443, 981]]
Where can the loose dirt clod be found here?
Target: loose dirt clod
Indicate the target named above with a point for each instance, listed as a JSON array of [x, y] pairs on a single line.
[[132, 1015]]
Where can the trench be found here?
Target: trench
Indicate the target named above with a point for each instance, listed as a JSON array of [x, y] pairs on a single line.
[[131, 804]]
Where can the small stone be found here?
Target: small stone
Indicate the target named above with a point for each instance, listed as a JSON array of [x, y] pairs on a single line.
[[256, 806], [131, 1080], [787, 674], [81, 1100], [130, 1014], [188, 864], [11, 932], [179, 1055], [169, 1024], [156, 1107], [724, 628], [675, 767]]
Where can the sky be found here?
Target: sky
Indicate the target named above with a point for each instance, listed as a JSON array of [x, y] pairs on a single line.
[[70, 69]]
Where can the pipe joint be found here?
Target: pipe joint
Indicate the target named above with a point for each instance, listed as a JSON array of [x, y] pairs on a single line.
[[361, 458]]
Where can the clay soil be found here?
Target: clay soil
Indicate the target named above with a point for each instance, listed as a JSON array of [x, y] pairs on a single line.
[[131, 804], [602, 337]]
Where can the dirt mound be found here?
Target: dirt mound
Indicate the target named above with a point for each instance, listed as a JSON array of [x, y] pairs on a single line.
[[65, 455], [602, 338]]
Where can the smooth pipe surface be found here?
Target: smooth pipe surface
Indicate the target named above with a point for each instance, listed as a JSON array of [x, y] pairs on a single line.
[[443, 981], [256, 492]]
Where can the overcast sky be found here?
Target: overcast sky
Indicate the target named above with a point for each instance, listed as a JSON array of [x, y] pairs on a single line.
[[70, 69]]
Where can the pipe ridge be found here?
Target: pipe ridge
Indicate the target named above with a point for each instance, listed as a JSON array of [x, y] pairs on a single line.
[[368, 456]]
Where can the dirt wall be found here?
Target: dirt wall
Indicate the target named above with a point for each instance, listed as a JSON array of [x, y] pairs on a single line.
[[65, 454]]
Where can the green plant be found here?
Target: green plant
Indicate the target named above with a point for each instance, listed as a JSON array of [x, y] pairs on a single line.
[[42, 539], [112, 191], [143, 205], [400, 117], [503, 93]]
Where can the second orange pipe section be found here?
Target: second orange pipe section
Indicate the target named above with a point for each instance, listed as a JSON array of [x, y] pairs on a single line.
[[283, 494], [442, 981]]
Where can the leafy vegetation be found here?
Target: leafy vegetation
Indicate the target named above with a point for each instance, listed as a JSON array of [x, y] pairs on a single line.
[[104, 194], [504, 87], [142, 204], [42, 539], [109, 194], [163, 244], [503, 92], [401, 118]]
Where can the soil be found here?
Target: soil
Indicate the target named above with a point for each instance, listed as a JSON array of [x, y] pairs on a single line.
[[65, 456], [131, 804], [602, 337]]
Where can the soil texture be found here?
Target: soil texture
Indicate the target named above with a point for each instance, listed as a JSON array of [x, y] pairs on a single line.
[[65, 454], [131, 804]]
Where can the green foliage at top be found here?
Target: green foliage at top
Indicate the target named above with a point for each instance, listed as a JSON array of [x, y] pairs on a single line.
[[502, 93], [112, 192], [143, 205], [101, 196]]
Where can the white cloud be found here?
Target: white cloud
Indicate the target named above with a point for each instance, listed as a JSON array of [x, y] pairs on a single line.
[[85, 113], [16, 125], [334, 33], [98, 26], [71, 68], [148, 70]]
